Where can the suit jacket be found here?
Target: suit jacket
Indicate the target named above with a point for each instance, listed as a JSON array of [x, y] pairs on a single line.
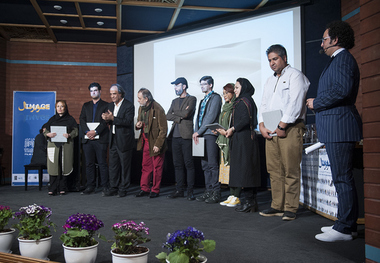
[[211, 114], [86, 116], [182, 115], [337, 118], [158, 128], [123, 123]]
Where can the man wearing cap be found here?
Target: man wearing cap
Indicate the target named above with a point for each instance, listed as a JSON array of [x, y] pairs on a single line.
[[95, 139], [120, 116], [182, 112]]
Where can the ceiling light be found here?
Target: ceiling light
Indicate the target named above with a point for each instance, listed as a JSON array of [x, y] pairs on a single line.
[[100, 23], [98, 10], [63, 21], [57, 7]]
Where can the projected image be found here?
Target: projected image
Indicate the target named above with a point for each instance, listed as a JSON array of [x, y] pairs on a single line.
[[224, 63]]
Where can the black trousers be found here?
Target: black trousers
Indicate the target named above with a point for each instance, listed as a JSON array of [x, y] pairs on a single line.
[[183, 158], [96, 152]]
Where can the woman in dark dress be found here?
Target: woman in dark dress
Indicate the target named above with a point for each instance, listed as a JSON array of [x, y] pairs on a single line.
[[244, 156], [60, 161]]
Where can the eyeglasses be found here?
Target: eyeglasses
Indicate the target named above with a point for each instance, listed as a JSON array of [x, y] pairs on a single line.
[[323, 39]]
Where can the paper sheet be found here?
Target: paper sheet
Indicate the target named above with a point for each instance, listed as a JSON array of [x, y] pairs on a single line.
[[314, 147], [59, 130], [199, 149], [92, 126]]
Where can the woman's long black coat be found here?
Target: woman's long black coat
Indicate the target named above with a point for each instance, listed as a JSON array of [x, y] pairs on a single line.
[[244, 158]]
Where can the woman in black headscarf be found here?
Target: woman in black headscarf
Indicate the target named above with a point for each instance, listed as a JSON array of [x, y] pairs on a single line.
[[244, 157], [60, 161]]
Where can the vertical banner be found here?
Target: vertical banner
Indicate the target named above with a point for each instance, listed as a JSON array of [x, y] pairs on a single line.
[[31, 110]]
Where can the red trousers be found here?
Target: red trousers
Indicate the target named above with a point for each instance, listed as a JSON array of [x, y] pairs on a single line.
[[151, 165]]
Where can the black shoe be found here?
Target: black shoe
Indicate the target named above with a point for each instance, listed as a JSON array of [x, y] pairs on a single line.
[[190, 196], [176, 194], [214, 198], [109, 192], [153, 195], [142, 193], [88, 191], [122, 194], [271, 212], [248, 206], [288, 216], [204, 196]]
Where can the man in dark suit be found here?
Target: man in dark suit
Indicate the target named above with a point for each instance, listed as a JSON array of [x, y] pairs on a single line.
[[95, 138], [339, 124], [182, 112], [120, 117]]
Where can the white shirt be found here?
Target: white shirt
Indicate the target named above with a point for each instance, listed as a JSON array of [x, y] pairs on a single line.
[[286, 93], [115, 112]]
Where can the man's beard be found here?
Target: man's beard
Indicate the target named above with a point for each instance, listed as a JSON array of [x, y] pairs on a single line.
[[179, 92]]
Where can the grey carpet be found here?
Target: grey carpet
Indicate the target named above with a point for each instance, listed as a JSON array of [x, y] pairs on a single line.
[[240, 238]]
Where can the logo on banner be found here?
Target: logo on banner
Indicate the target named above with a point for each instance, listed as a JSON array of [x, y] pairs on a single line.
[[34, 107]]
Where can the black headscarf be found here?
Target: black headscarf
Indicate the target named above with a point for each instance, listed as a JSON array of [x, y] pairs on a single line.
[[246, 92], [65, 120]]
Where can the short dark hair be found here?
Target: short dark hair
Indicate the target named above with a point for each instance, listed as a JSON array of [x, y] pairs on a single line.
[[146, 94], [119, 89], [95, 84], [279, 50], [209, 80], [343, 31]]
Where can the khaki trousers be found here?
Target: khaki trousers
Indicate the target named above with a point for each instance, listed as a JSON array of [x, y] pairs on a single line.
[[283, 159]]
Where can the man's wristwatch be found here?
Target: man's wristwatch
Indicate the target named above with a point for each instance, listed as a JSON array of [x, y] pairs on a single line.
[[280, 128]]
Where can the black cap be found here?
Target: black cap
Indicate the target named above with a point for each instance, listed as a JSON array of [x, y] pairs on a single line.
[[180, 80]]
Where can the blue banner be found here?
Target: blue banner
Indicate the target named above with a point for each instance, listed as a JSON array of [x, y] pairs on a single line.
[[31, 110]]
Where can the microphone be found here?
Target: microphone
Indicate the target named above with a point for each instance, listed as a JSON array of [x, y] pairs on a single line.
[[322, 51]]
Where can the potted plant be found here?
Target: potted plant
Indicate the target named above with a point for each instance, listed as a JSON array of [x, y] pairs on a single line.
[[34, 231], [128, 237], [6, 234], [185, 246], [78, 238]]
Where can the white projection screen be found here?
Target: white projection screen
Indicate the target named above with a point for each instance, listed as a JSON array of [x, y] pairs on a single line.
[[225, 52]]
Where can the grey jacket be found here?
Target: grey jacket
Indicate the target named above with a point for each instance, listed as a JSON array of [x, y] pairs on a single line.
[[211, 114]]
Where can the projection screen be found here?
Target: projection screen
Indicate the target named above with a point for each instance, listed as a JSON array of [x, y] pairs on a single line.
[[225, 52]]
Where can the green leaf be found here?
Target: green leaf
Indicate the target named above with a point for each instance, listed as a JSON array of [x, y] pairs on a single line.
[[209, 245]]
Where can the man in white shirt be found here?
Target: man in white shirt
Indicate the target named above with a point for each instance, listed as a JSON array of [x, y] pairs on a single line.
[[285, 90], [120, 116]]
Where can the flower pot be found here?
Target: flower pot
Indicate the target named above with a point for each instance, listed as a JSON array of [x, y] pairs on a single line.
[[130, 258], [80, 254], [35, 248], [6, 239], [202, 259]]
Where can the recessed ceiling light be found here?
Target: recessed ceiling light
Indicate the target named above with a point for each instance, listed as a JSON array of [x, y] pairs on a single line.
[[100, 23], [63, 21], [57, 7], [98, 10]]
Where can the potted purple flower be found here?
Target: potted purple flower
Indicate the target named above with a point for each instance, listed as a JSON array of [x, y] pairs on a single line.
[[128, 238], [185, 246], [6, 234], [78, 238], [34, 230]]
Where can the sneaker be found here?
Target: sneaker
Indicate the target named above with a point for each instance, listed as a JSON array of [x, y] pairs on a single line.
[[234, 202], [227, 201], [333, 236], [204, 196], [271, 212], [325, 229], [288, 216], [214, 197]]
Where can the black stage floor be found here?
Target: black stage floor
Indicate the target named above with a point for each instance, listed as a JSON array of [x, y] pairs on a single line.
[[240, 238]]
